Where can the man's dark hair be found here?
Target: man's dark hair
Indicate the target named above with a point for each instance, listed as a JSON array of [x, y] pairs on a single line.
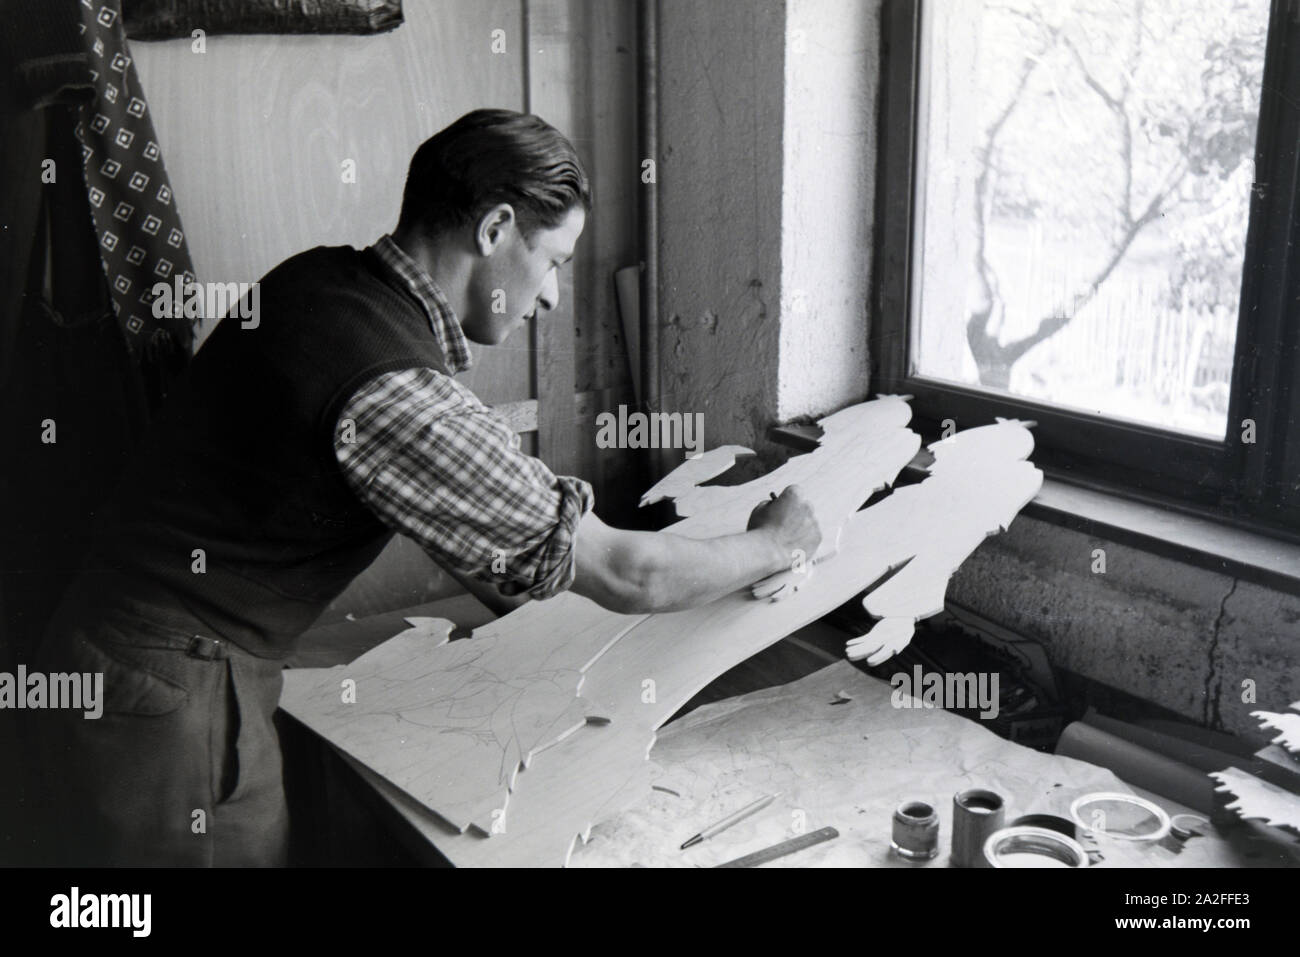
[[488, 157]]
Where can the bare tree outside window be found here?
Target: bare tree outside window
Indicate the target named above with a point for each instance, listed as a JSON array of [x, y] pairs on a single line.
[[1083, 190]]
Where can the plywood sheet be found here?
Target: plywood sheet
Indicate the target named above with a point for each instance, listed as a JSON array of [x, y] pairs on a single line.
[[665, 660], [452, 723], [655, 664], [1258, 800], [1288, 724], [861, 450], [456, 742]]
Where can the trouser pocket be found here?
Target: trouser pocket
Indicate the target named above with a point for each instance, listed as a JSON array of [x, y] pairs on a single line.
[[181, 768], [124, 788]]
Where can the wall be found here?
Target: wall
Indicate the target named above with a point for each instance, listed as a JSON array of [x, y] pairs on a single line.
[[719, 176], [832, 75], [1178, 635], [604, 130], [766, 179]]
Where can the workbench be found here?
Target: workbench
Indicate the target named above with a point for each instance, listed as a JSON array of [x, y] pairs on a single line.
[[840, 754], [831, 743]]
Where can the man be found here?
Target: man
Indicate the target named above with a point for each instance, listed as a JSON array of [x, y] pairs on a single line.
[[295, 448]]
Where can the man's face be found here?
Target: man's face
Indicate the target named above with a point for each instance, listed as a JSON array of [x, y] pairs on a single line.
[[517, 278]]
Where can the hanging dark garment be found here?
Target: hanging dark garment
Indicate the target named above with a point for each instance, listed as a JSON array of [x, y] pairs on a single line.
[[75, 398], [73, 402]]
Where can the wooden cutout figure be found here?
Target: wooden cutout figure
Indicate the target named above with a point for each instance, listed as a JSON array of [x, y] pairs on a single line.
[[857, 455], [694, 471], [1288, 724], [977, 484], [862, 447], [1257, 799]]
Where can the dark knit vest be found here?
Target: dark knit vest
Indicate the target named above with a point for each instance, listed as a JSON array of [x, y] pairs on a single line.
[[241, 462]]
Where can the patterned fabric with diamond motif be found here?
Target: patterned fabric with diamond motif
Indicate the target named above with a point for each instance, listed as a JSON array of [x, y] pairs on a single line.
[[141, 241]]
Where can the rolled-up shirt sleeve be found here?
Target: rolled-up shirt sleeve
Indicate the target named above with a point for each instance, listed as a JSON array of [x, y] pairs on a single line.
[[435, 464]]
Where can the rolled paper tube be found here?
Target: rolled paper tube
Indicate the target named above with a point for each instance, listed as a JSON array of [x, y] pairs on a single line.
[[1139, 766], [1217, 740], [1203, 757], [1199, 756]]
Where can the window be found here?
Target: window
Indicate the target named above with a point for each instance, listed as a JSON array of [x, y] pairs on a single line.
[[1086, 208]]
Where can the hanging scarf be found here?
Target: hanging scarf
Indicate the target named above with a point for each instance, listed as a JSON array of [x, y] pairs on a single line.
[[141, 241]]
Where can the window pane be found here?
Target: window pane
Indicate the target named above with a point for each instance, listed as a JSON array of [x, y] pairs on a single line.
[[1083, 188]]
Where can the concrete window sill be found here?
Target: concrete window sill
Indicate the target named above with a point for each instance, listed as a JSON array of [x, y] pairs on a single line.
[[1192, 539]]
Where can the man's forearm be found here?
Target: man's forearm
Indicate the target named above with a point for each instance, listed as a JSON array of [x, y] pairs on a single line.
[[683, 572], [640, 572]]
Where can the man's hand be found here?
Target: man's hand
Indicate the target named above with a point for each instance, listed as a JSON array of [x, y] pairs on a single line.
[[790, 520]]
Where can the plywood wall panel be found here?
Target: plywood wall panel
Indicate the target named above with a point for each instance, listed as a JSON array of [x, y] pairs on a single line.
[[256, 129]]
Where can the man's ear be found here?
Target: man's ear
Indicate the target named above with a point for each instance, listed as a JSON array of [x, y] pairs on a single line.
[[493, 227]]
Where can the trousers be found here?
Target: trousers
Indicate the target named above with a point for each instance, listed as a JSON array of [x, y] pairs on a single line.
[[183, 766]]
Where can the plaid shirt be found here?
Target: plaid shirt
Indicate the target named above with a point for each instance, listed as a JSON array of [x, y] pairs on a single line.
[[436, 464]]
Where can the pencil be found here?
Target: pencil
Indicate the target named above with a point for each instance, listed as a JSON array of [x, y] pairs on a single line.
[[726, 822]]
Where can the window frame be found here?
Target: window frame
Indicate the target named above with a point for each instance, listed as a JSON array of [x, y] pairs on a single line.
[[1244, 484]]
